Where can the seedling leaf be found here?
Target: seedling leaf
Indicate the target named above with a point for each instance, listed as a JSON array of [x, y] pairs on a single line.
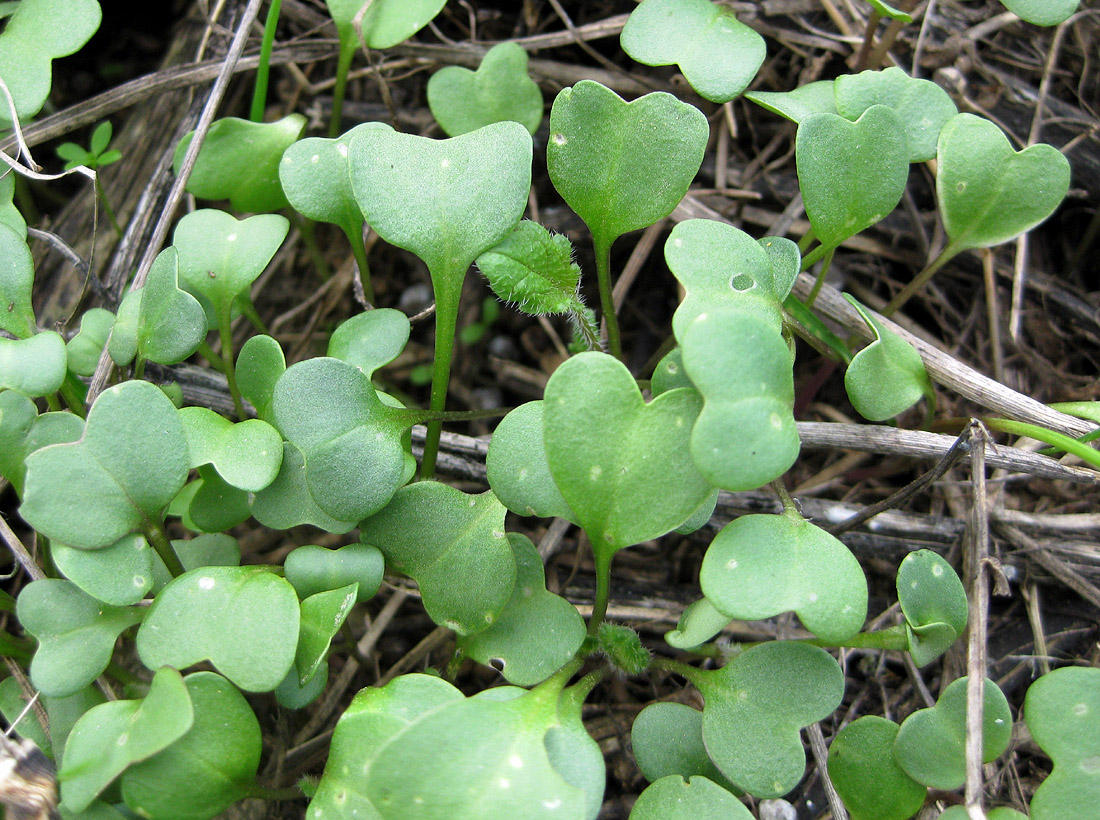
[[517, 467], [454, 546], [534, 270], [311, 570], [34, 366], [117, 479], [1042, 12], [699, 622], [22, 431], [718, 54], [387, 22], [9, 214], [215, 504], [930, 745], [259, 366], [85, 347], [667, 739], [673, 798], [500, 90], [813, 98], [247, 455], [989, 193], [786, 262], [370, 339], [16, 277], [171, 323], [119, 575], [934, 603], [239, 161], [574, 754], [322, 616], [287, 502], [244, 620], [865, 774]]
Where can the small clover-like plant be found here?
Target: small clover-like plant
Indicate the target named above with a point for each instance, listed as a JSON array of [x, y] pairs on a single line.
[[97, 155]]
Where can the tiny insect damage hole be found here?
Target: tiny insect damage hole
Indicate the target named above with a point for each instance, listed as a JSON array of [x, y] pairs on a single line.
[[497, 664], [742, 281]]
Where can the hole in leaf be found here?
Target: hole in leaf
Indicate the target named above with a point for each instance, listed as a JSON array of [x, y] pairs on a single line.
[[497, 664], [742, 281]]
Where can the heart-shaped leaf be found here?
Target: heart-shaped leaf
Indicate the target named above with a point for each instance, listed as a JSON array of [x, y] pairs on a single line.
[[1061, 710], [931, 744], [247, 454], [34, 366], [852, 174], [534, 269], [85, 347], [259, 366], [667, 739], [537, 632], [63, 713], [868, 779], [244, 620], [119, 575], [386, 22], [699, 622], [31, 41], [500, 90], [286, 502], [312, 569], [1042, 12], [314, 176], [719, 267], [22, 431], [922, 106], [745, 435], [16, 277], [220, 256], [171, 323], [239, 161], [887, 377], [212, 766], [454, 546], [130, 463], [718, 54], [370, 339], [350, 440], [813, 98], [76, 634], [113, 736], [761, 565], [989, 193], [322, 616], [517, 467], [208, 550], [673, 798], [622, 166], [620, 464], [751, 725], [933, 601]]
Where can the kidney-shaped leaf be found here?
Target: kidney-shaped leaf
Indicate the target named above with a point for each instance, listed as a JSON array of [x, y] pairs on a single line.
[[244, 620], [34, 366], [751, 725], [86, 346], [761, 565], [259, 366], [119, 575], [667, 739], [865, 774], [674, 798], [247, 454], [311, 569], [113, 736], [1042, 12], [462, 100], [454, 546], [386, 22], [718, 54], [286, 502], [370, 339], [517, 467], [120, 476]]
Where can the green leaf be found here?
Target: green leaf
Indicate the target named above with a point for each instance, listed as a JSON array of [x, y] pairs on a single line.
[[922, 106], [813, 98], [350, 440], [786, 260], [34, 366], [85, 348], [699, 622], [517, 469], [930, 745], [239, 161], [667, 739], [534, 270], [122, 345], [63, 713], [761, 565], [370, 339], [31, 41], [890, 12], [718, 54], [171, 323], [746, 712], [259, 366], [999, 813], [852, 174], [669, 373], [934, 603], [454, 546], [212, 766], [22, 432], [220, 256], [12, 703], [621, 465], [16, 277], [386, 22], [244, 620], [622, 166], [311, 569], [673, 798], [865, 774], [215, 504], [537, 632], [745, 435], [314, 176], [500, 90], [286, 502], [1042, 12], [988, 193], [119, 575], [101, 138], [887, 377], [120, 476], [208, 550], [322, 616], [247, 454], [113, 736], [1061, 710], [292, 696], [574, 754]]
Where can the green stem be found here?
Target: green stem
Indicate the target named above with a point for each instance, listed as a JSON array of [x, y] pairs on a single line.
[[74, 392], [225, 333], [690, 673], [603, 590], [263, 70], [155, 535], [447, 295], [207, 352], [805, 242], [53, 402], [139, 367], [107, 209], [810, 259], [918, 282], [789, 505], [264, 793], [895, 637], [820, 278], [1060, 440], [607, 302], [248, 311], [413, 416], [359, 251], [348, 45]]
